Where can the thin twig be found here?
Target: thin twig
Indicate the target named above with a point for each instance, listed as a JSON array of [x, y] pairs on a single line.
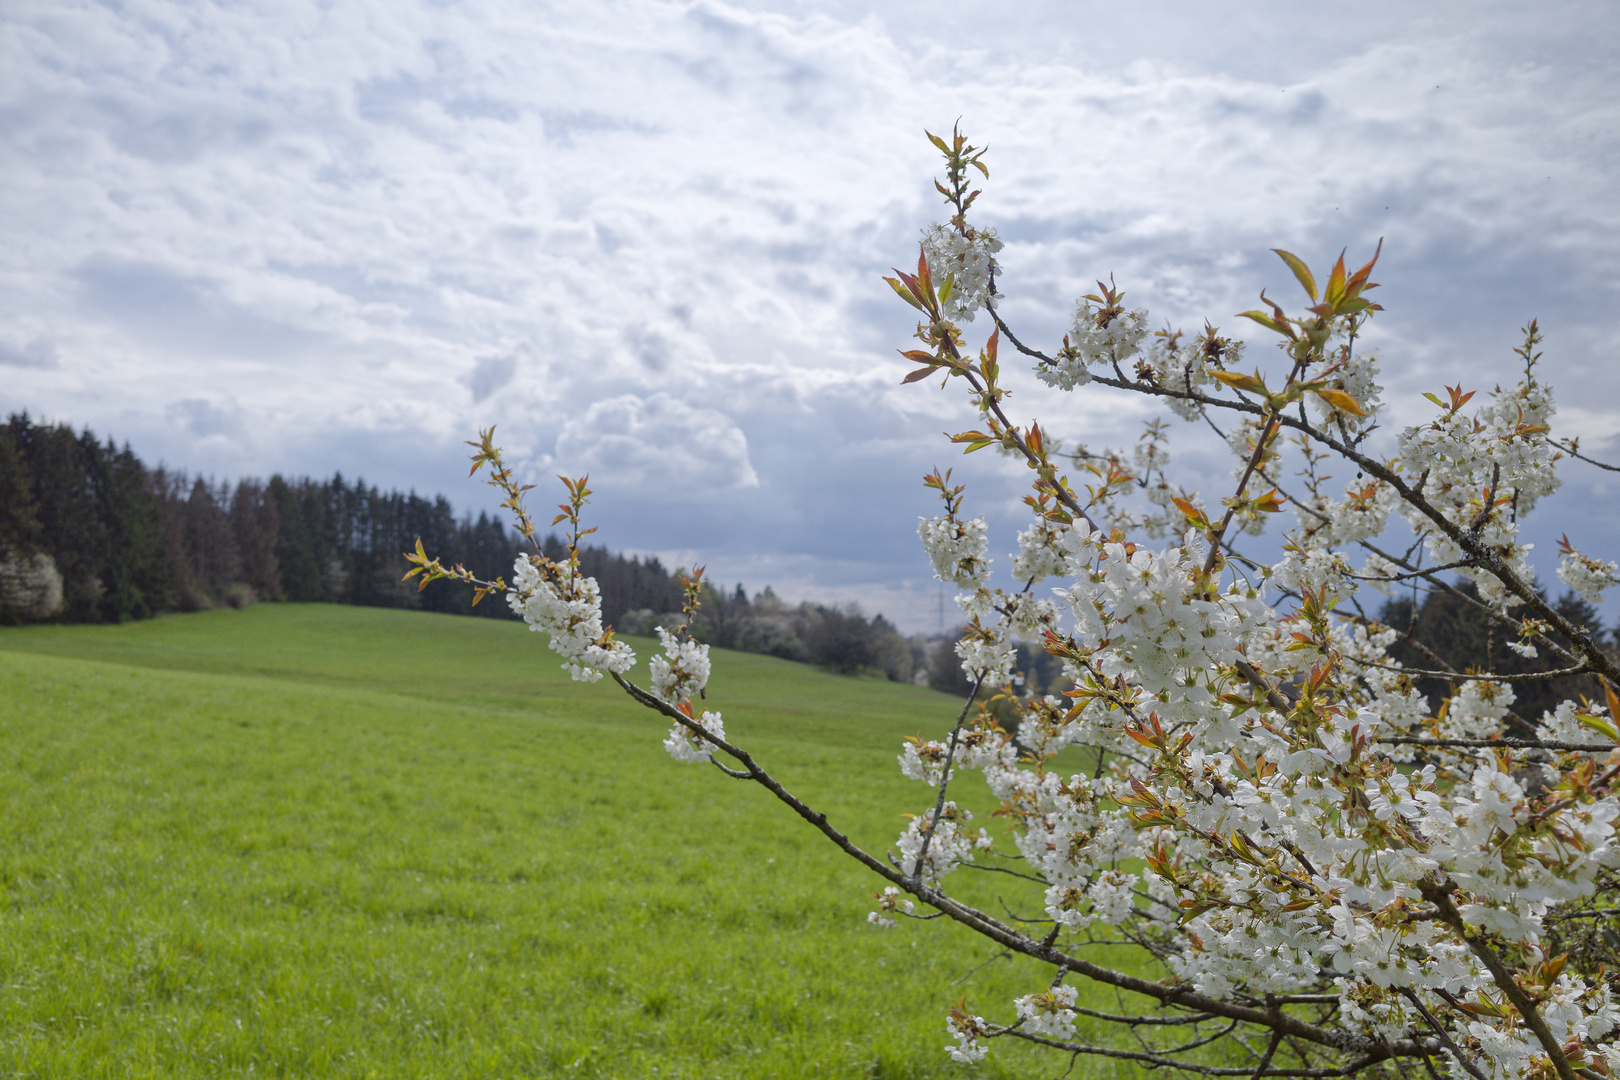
[[1497, 744], [945, 777], [1382, 1053], [1476, 676], [1440, 1032], [1572, 452]]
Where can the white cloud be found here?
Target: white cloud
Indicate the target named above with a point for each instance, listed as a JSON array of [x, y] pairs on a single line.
[[656, 445]]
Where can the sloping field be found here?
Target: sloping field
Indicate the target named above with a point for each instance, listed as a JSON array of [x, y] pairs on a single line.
[[302, 840]]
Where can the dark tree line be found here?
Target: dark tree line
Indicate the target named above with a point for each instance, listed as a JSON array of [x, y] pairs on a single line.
[[90, 507], [129, 542], [1455, 631]]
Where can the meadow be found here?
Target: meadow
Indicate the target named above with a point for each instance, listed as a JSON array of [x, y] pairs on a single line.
[[309, 840]]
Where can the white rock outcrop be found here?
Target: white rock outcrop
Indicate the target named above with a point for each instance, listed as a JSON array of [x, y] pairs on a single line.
[[30, 586]]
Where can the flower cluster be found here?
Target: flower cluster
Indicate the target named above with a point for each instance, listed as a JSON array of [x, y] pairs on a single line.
[[967, 1030], [1040, 554], [923, 761], [1050, 1013], [1167, 631], [1191, 368], [1591, 578], [1484, 473], [1100, 334], [686, 745], [553, 597], [1261, 762], [969, 260], [957, 549], [1354, 372], [1476, 710], [889, 900], [930, 851], [681, 671]]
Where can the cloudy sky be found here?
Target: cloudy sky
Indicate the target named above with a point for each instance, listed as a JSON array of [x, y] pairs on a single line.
[[645, 239]]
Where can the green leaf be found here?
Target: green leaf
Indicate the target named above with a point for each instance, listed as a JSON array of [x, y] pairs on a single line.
[[1192, 909], [1301, 271], [1599, 725], [904, 293], [1238, 381], [1263, 319], [1269, 503], [1341, 401], [1480, 1007], [937, 141], [1333, 292], [976, 440], [1191, 512]]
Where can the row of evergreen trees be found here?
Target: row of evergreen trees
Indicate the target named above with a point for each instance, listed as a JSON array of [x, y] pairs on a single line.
[[131, 542]]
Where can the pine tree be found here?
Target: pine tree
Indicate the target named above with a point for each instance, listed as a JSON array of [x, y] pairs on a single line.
[[135, 571], [71, 528], [255, 526], [19, 515], [210, 542], [297, 549]]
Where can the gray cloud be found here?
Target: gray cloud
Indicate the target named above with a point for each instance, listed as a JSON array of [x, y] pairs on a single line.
[[205, 418], [489, 374], [37, 353]]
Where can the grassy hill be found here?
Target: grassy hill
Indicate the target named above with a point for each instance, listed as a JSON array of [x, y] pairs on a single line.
[[301, 840]]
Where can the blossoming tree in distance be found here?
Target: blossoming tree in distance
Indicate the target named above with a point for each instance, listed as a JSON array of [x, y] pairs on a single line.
[[1323, 871]]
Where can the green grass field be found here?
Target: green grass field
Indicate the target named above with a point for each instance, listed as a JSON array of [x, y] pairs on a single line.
[[301, 840]]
